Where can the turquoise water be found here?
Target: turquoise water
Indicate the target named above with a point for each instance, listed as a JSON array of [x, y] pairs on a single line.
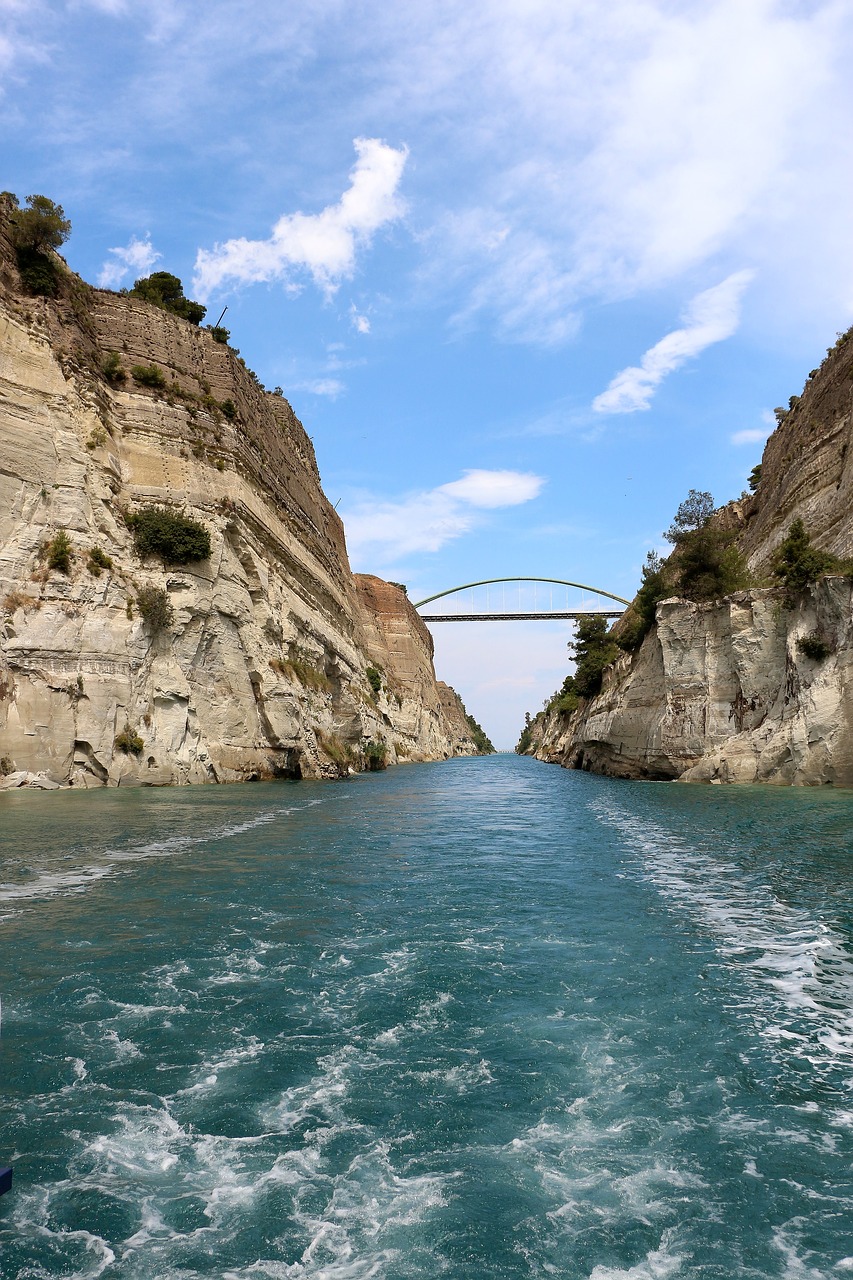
[[473, 1020]]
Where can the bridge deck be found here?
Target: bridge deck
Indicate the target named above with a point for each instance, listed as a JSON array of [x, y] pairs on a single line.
[[572, 614]]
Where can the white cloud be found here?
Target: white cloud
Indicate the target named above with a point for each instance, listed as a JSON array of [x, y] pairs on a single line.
[[711, 316], [360, 323], [136, 258], [751, 435], [426, 521], [331, 387], [323, 243], [494, 488]]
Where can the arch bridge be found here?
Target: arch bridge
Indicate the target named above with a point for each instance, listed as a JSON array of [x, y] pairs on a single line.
[[593, 600]]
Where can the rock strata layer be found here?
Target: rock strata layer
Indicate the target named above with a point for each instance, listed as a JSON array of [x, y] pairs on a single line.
[[270, 665]]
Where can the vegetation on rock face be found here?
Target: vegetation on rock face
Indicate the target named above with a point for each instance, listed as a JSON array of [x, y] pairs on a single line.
[[174, 537], [112, 368], [798, 563], [129, 741], [566, 699], [167, 291], [296, 666], [148, 375], [98, 561], [155, 608], [376, 755], [707, 563], [37, 230], [374, 678], [480, 738], [58, 552], [641, 616], [814, 646], [593, 650], [754, 479], [219, 334]]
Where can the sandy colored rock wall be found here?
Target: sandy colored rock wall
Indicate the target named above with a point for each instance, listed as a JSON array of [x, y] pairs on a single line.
[[723, 692], [263, 670]]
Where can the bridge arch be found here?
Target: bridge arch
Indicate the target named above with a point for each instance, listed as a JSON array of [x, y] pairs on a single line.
[[512, 617], [486, 582]]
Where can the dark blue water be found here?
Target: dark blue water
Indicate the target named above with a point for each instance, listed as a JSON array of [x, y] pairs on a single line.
[[473, 1020]]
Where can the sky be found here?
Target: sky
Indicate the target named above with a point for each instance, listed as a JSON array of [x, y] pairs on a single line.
[[527, 272]]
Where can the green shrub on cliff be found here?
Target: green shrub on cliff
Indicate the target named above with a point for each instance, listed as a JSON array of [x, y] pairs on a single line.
[[37, 230], [174, 537], [593, 650], [129, 741], [481, 740], [641, 616], [376, 755], [59, 552], [148, 375], [155, 608], [167, 291], [707, 562], [798, 563]]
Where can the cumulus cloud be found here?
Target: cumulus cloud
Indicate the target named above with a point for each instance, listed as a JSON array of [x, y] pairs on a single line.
[[136, 258], [426, 521], [711, 316], [323, 244]]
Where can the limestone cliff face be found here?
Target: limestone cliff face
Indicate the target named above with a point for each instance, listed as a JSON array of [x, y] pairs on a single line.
[[264, 668], [722, 692]]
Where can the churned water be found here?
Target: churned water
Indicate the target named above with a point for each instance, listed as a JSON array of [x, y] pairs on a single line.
[[475, 1020]]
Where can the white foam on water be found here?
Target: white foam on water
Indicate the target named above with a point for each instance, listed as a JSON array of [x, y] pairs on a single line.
[[48, 884], [658, 1264], [800, 966]]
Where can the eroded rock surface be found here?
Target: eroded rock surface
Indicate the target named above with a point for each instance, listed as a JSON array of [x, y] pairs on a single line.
[[723, 692], [264, 669]]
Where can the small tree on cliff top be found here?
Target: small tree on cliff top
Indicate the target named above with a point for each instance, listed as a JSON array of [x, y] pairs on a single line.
[[41, 226]]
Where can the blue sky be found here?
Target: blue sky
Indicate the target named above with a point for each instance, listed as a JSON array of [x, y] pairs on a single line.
[[527, 272]]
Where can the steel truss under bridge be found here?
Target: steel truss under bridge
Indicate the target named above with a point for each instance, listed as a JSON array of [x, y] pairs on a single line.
[[522, 615]]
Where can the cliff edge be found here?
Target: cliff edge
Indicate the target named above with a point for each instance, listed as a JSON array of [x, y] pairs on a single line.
[[753, 687], [268, 657]]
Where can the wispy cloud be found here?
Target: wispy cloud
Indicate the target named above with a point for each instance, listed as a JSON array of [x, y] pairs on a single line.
[[359, 322], [427, 520], [136, 257], [751, 435], [711, 316], [330, 387], [325, 243]]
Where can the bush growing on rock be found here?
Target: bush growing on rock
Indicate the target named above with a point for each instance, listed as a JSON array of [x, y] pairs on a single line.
[[155, 608], [798, 564], [167, 292], [219, 334], [129, 741], [376, 755], [37, 230], [814, 646], [175, 538], [149, 375], [643, 610], [112, 368], [374, 678], [59, 552], [481, 739], [593, 650], [98, 561]]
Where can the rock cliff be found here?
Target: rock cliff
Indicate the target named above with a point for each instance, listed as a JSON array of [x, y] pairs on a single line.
[[278, 661], [727, 691]]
